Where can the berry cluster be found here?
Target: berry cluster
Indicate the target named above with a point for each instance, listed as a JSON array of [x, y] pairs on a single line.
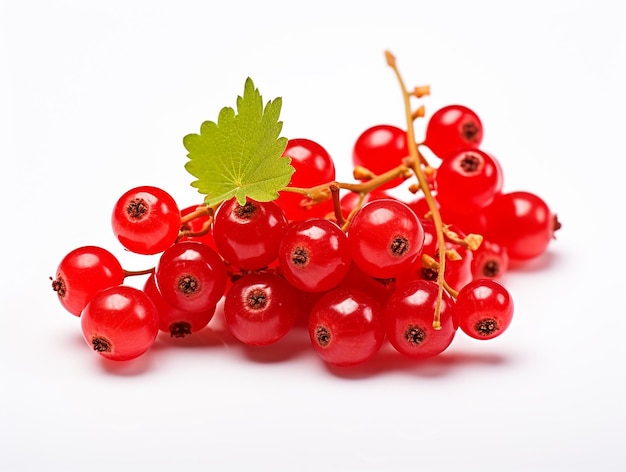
[[355, 263]]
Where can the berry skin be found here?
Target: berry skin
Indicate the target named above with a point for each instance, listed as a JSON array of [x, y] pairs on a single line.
[[346, 327], [120, 323], [248, 236], [356, 279], [451, 128], [314, 255], [191, 276], [379, 149], [409, 320], [350, 200], [385, 238], [146, 220], [467, 181], [177, 323], [84, 272], [521, 222], [485, 309], [490, 261], [260, 308], [313, 166]]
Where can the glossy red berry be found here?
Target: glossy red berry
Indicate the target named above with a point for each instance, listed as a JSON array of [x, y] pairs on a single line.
[[120, 323], [146, 220], [521, 222], [490, 261], [468, 181], [313, 166], [248, 235], [314, 255], [174, 321], [385, 238], [82, 273], [409, 320], [379, 149], [260, 308], [191, 276], [451, 128], [485, 309], [346, 327]]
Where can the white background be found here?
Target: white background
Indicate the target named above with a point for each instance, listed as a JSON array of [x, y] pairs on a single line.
[[95, 98]]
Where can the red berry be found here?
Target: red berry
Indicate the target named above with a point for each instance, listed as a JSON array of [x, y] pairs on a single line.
[[191, 276], [451, 128], [385, 238], [490, 261], [260, 308], [146, 220], [484, 308], [409, 320], [521, 222], [120, 323], [248, 236], [84, 272], [314, 255], [174, 321], [468, 180], [346, 327], [313, 166], [379, 149]]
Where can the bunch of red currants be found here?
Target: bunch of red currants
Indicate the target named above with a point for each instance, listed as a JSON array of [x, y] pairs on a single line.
[[354, 264]]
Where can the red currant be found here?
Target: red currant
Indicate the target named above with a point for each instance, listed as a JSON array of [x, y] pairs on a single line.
[[485, 309], [451, 128], [313, 166], [260, 308], [146, 220], [314, 255], [379, 149], [385, 238], [174, 321], [521, 222], [84, 272], [248, 235], [468, 180], [346, 327], [490, 261], [120, 323], [191, 276], [409, 320]]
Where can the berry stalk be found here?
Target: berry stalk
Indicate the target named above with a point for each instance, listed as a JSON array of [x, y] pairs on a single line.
[[423, 182], [320, 193]]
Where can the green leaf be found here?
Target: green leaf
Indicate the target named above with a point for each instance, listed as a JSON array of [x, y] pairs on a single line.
[[242, 154]]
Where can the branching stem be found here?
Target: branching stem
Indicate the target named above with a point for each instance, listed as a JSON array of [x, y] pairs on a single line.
[[421, 177], [322, 192]]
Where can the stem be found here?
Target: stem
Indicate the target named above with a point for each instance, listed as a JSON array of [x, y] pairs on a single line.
[[320, 193], [354, 211], [201, 210], [334, 189], [132, 273], [421, 177], [187, 233]]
